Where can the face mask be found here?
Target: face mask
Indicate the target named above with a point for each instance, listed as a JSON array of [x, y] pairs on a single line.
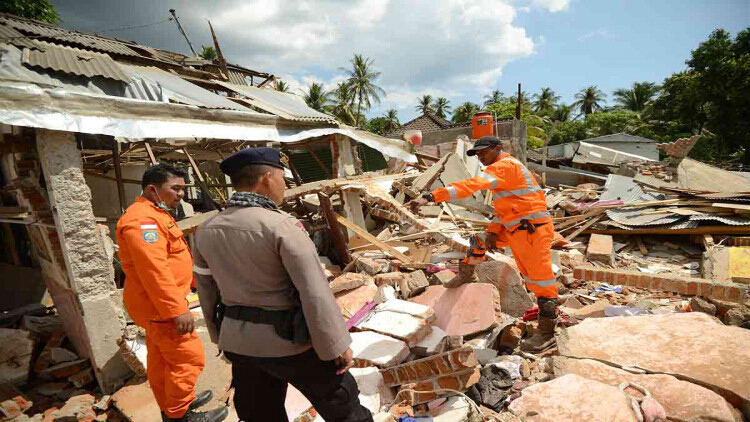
[[161, 204]]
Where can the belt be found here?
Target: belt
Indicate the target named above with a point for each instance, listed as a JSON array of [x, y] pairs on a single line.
[[289, 323], [529, 226]]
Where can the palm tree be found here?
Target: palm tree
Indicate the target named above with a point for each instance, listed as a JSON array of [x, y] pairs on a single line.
[[637, 97], [317, 98], [545, 100], [391, 121], [424, 104], [495, 98], [524, 98], [281, 86], [465, 112], [442, 107], [208, 53], [588, 100], [362, 83], [342, 104], [561, 113]]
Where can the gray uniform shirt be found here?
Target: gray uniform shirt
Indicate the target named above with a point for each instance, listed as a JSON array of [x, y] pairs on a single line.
[[254, 256]]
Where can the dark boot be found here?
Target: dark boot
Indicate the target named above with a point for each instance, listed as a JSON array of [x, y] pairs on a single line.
[[200, 399], [216, 415], [466, 274], [544, 338]]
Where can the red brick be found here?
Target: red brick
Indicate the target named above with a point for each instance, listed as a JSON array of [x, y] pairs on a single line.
[[734, 293], [643, 281], [682, 286], [431, 367], [692, 288], [705, 289], [655, 283], [622, 278], [578, 273], [717, 291]]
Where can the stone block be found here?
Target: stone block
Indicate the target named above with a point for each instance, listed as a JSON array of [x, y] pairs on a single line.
[[415, 283], [390, 279], [348, 281], [405, 327], [601, 248], [351, 301], [443, 277], [462, 311], [378, 349], [454, 361], [504, 275], [136, 402], [700, 305], [430, 345], [60, 355], [16, 348]]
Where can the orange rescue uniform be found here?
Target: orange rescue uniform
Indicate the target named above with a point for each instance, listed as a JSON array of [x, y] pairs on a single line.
[[519, 204], [158, 268]]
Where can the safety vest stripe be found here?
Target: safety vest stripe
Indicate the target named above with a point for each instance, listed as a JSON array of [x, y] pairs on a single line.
[[540, 283], [533, 216], [453, 192], [490, 178], [201, 271], [515, 192]]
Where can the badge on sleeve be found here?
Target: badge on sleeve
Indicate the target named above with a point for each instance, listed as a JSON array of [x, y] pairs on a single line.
[[149, 232], [302, 227]]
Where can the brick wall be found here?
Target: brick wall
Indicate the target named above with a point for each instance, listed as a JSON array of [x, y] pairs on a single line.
[[451, 362], [425, 391], [688, 286]]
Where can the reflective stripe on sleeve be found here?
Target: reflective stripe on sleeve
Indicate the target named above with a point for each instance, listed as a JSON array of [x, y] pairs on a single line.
[[490, 178], [453, 192], [201, 271]]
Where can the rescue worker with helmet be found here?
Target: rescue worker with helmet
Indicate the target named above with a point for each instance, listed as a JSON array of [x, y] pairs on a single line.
[[521, 221], [158, 270], [267, 302]]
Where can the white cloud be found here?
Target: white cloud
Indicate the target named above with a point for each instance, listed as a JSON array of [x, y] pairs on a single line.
[[551, 5], [598, 33]]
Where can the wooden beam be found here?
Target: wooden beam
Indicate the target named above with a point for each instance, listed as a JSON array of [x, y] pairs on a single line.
[[424, 156], [190, 224], [118, 176], [641, 246], [583, 227], [317, 160], [207, 201], [708, 241], [372, 239], [337, 233], [713, 230], [150, 153]]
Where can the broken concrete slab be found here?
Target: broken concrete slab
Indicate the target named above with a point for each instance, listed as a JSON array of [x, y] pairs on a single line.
[[698, 304], [573, 398], [348, 281], [372, 389], [378, 349], [351, 301], [674, 343], [415, 283], [682, 400], [429, 345], [407, 307], [405, 327], [389, 279], [137, 403], [16, 347], [595, 310], [77, 408], [462, 311], [503, 274], [60, 355], [601, 248], [443, 277]]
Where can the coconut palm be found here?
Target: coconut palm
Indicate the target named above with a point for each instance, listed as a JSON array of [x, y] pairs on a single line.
[[317, 98], [524, 98], [343, 98], [465, 112], [496, 97], [561, 113], [442, 107], [589, 100], [545, 100], [282, 86], [208, 53], [362, 84], [424, 104], [637, 97], [391, 120]]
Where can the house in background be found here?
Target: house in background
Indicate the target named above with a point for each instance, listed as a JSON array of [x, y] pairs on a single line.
[[622, 142]]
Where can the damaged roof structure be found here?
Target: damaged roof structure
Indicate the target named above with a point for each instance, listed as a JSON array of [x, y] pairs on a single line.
[[650, 248]]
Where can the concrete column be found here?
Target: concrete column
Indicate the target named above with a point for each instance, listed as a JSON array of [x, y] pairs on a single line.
[[345, 160], [86, 276], [353, 209]]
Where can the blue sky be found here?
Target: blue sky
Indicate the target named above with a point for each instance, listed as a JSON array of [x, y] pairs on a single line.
[[460, 49]]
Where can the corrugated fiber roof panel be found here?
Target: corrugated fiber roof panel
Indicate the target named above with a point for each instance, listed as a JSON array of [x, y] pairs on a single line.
[[73, 60]]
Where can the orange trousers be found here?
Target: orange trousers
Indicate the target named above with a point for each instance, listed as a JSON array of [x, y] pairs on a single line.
[[174, 362], [531, 252]]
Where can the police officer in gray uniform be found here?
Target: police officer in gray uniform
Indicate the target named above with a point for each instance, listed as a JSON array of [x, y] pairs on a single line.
[[267, 302]]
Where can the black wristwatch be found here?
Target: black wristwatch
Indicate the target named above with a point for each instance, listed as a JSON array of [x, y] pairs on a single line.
[[429, 197]]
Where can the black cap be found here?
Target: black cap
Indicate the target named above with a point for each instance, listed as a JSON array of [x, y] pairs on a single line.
[[482, 143], [250, 156]]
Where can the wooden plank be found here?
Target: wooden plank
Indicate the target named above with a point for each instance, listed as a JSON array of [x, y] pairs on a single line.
[[207, 201], [713, 230], [743, 207], [190, 224], [641, 246], [372, 239], [150, 153], [337, 233], [317, 160], [10, 244], [583, 227], [118, 177], [708, 241]]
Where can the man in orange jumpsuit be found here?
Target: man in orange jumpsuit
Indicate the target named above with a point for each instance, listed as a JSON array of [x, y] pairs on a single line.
[[158, 270], [521, 222]]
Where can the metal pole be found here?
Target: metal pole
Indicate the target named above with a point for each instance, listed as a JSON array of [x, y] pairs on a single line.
[[182, 31]]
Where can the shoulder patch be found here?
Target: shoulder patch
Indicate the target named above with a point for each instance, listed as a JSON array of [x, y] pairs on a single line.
[[301, 226], [148, 225], [150, 236]]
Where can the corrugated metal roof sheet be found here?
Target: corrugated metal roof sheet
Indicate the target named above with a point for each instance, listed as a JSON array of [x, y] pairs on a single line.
[[11, 36], [288, 106], [595, 154], [72, 60], [237, 78], [153, 84], [625, 189], [620, 137], [66, 36]]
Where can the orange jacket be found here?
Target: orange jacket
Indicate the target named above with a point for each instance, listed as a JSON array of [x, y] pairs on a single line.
[[157, 263], [516, 194]]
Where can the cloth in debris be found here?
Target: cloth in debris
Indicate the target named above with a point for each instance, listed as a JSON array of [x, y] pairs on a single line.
[[157, 264], [492, 388], [251, 156], [606, 288]]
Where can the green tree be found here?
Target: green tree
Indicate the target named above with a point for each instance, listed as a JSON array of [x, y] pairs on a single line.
[[637, 97], [317, 98], [496, 97], [442, 107], [343, 98], [546, 100], [424, 104], [41, 10], [589, 100], [464, 112], [570, 131], [525, 101], [362, 84], [208, 53], [561, 113], [377, 125], [391, 120], [614, 121], [282, 86]]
